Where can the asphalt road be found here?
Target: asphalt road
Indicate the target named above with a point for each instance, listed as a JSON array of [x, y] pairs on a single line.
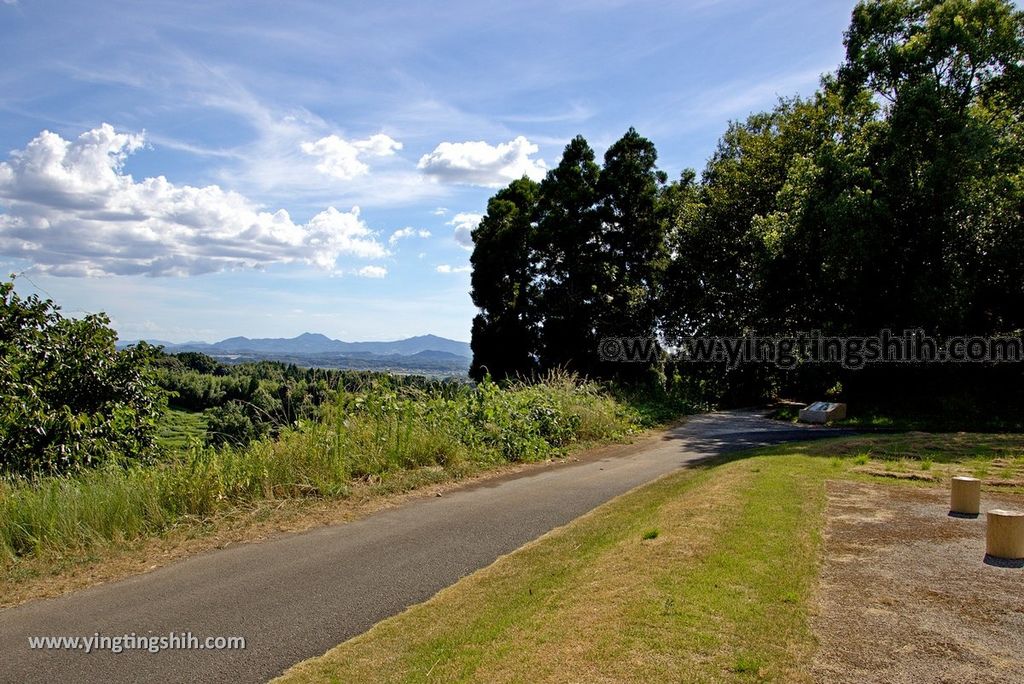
[[299, 595]]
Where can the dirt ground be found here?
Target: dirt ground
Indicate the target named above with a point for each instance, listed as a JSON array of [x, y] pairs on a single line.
[[906, 594]]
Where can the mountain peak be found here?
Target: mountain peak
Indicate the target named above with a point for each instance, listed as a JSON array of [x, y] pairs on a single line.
[[317, 343]]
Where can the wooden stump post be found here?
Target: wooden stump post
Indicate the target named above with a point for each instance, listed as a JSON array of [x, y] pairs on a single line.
[[965, 496], [1004, 536]]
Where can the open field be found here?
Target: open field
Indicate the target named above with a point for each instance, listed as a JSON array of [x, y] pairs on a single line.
[[180, 428], [705, 575]]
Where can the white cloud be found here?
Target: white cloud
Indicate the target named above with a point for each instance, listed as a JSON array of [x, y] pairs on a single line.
[[440, 211], [400, 234], [265, 159], [69, 207], [445, 268], [343, 159], [465, 224], [403, 233], [372, 272], [478, 163]]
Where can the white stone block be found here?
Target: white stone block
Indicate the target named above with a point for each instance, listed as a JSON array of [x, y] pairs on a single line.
[[822, 412]]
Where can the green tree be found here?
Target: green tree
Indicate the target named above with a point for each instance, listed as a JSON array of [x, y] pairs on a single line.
[[504, 340], [233, 424], [569, 258], [199, 362], [951, 76], [632, 242], [891, 199], [68, 397]]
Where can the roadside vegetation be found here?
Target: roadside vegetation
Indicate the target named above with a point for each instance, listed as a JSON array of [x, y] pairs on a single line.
[[370, 434], [240, 403], [704, 575], [104, 447]]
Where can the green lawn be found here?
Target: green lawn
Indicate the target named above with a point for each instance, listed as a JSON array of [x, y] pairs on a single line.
[[704, 575], [178, 428]]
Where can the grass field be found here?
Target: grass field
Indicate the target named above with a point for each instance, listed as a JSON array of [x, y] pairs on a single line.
[[180, 428], [705, 575]]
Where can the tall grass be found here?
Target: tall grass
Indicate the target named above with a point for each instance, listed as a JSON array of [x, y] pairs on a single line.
[[366, 434]]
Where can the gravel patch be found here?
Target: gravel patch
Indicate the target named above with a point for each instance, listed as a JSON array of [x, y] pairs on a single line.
[[906, 594]]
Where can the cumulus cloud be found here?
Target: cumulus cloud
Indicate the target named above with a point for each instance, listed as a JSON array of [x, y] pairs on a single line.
[[407, 232], [465, 224], [478, 163], [445, 268], [343, 159], [69, 207], [372, 272]]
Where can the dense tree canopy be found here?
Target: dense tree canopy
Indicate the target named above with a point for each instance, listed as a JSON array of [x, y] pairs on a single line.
[[891, 198], [560, 265]]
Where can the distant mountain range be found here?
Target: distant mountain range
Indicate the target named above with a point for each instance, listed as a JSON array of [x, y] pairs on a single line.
[[424, 353]]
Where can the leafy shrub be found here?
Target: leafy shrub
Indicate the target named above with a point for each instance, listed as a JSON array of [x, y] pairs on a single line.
[[68, 397], [232, 424]]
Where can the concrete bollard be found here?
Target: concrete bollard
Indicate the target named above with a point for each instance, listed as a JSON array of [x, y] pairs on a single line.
[[965, 496], [1004, 535]]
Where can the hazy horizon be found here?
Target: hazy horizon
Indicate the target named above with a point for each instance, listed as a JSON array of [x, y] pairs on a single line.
[[292, 337]]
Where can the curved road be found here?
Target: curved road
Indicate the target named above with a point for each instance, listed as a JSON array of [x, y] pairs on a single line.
[[297, 596]]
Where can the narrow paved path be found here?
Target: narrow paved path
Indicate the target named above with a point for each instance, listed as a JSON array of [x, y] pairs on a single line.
[[297, 596]]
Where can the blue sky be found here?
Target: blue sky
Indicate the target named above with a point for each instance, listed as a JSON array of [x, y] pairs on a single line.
[[203, 170]]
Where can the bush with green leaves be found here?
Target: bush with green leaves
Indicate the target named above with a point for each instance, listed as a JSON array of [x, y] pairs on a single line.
[[233, 424], [68, 397]]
